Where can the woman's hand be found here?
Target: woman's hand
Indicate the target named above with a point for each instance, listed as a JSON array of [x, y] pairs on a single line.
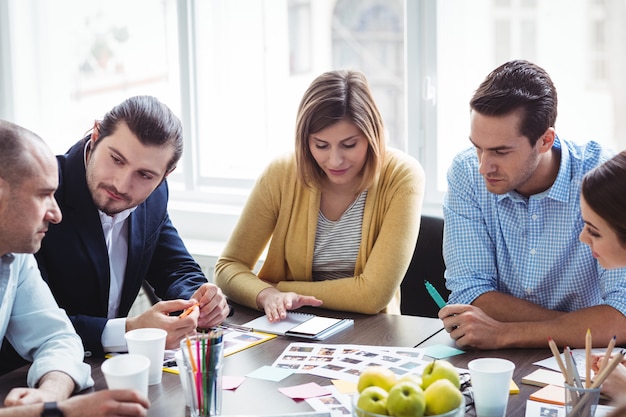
[[276, 303]]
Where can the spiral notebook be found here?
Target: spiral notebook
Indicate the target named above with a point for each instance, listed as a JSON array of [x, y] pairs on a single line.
[[308, 326]]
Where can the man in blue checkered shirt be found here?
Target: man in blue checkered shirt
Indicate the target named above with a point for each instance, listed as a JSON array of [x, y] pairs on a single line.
[[516, 270]]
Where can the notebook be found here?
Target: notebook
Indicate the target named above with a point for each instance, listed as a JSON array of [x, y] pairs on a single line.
[[543, 377], [308, 326]]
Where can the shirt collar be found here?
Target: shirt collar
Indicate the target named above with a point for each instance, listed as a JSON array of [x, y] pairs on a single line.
[[559, 190]]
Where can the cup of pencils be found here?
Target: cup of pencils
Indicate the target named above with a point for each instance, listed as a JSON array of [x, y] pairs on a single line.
[[581, 401], [203, 359]]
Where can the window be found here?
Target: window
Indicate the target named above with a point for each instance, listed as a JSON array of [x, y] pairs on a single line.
[[235, 70]]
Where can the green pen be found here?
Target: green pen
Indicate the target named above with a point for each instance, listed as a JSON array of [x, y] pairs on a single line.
[[435, 294]]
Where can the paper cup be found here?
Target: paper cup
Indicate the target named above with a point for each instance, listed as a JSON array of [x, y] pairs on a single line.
[[127, 371], [150, 343], [491, 381]]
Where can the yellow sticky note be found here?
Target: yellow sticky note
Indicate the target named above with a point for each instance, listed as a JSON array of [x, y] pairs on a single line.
[[344, 387], [513, 388]]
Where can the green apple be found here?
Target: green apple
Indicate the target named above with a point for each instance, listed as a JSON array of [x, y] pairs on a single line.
[[372, 399], [415, 378], [441, 396], [377, 376], [406, 399], [440, 369]]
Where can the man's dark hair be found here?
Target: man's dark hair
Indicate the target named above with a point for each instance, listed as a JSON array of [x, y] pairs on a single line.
[[151, 121], [519, 85]]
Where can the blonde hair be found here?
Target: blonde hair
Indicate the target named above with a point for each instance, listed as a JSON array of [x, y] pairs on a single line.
[[332, 97]]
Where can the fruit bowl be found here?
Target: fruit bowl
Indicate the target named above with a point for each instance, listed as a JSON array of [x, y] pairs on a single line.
[[357, 412]]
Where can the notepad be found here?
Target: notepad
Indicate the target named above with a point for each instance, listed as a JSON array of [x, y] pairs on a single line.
[[551, 394], [543, 377], [308, 326]]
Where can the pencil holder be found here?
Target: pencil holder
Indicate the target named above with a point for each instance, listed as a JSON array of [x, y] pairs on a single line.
[[581, 402], [203, 359]]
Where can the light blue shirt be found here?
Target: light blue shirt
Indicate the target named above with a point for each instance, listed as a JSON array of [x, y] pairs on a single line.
[[525, 247], [34, 324]]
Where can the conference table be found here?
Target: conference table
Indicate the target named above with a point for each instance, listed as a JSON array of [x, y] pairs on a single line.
[[258, 397]]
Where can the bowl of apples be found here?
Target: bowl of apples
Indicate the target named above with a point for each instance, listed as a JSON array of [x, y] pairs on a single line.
[[436, 393]]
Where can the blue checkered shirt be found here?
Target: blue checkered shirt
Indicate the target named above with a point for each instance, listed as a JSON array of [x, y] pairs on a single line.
[[525, 247]]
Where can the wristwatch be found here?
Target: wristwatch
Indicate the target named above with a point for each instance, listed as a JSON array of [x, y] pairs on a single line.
[[51, 410]]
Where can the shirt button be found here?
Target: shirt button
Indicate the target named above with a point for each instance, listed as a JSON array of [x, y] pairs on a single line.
[[532, 251], [534, 217], [529, 291]]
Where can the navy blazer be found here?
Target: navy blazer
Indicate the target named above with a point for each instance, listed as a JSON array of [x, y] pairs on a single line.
[[73, 258]]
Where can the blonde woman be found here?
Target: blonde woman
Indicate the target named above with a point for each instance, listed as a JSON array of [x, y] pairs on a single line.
[[341, 214]]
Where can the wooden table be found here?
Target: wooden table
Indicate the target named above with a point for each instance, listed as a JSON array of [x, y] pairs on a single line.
[[261, 397]]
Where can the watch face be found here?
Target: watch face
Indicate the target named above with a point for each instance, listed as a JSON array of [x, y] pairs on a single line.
[[51, 410]]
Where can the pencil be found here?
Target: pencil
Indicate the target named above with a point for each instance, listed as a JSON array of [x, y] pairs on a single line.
[[588, 359], [607, 354], [557, 356], [188, 311], [193, 364], [569, 366], [598, 381]]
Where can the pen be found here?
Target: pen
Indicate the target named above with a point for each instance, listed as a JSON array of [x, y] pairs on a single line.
[[236, 327], [588, 345], [434, 294], [576, 379], [188, 311]]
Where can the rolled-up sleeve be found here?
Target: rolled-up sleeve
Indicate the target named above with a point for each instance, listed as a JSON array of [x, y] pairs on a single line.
[[41, 332]]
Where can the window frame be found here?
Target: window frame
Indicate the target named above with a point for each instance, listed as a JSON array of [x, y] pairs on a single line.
[[208, 210]]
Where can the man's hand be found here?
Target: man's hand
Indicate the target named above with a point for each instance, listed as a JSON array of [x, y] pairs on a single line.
[[213, 305], [106, 403], [469, 326], [53, 386], [276, 303], [159, 316]]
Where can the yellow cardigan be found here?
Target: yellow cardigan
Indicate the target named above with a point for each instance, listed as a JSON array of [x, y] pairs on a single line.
[[281, 211]]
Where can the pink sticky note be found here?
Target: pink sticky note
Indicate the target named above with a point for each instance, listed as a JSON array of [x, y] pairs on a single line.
[[303, 391], [232, 382]]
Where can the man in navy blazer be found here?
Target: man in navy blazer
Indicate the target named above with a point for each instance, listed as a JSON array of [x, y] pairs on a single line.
[[116, 232]]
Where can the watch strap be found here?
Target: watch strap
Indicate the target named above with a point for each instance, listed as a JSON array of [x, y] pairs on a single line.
[[50, 409]]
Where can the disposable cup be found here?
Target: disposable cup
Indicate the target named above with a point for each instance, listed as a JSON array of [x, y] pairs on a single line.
[[203, 359], [127, 371], [149, 342], [491, 381]]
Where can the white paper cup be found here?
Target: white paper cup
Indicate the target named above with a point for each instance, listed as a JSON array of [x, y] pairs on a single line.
[[491, 381], [127, 371], [149, 342]]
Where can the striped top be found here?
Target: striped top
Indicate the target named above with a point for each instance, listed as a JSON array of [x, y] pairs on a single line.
[[337, 242]]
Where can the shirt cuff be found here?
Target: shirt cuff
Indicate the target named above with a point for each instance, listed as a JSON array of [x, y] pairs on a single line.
[[113, 336]]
